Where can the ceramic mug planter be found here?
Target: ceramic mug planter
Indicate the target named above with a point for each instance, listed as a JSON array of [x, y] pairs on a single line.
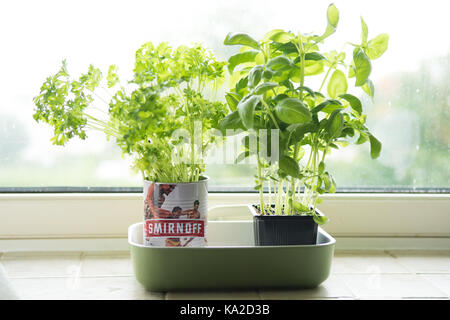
[[175, 214], [281, 230]]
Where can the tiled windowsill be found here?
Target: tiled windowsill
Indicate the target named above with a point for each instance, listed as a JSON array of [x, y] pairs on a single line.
[[109, 275]]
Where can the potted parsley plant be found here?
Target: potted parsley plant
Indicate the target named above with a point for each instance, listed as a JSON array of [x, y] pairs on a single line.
[[160, 118], [271, 93]]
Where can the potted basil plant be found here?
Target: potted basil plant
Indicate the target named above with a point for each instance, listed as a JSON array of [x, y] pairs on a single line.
[[271, 93], [160, 119]]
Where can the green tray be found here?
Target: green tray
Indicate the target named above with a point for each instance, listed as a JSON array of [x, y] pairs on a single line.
[[230, 267]]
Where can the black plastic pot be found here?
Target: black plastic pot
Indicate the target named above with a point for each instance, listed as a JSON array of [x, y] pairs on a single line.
[[271, 230]]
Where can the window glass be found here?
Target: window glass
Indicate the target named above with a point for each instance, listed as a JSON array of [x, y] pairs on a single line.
[[410, 112]]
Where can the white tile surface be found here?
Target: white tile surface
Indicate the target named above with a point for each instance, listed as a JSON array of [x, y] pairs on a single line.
[[424, 261], [391, 286], [442, 281], [333, 287], [42, 288], [41, 264], [370, 263], [108, 288], [213, 295], [101, 265], [113, 288]]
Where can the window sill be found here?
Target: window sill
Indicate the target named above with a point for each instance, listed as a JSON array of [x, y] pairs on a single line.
[[384, 217]]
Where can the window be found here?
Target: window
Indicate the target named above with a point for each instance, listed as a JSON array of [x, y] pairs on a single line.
[[410, 113]]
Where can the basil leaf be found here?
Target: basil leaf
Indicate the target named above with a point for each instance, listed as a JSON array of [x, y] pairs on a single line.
[[292, 110], [375, 147], [246, 108], [264, 87], [320, 219], [369, 88], [363, 67], [364, 31], [289, 166], [332, 15], [377, 46], [279, 36], [241, 85], [239, 58], [313, 56], [298, 206], [335, 124], [298, 130], [279, 63], [254, 76], [326, 103], [231, 121], [337, 84], [232, 100], [355, 103], [332, 22], [310, 91], [242, 39]]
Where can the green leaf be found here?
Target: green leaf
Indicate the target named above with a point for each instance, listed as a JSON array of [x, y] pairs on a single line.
[[327, 106], [241, 85], [279, 63], [363, 137], [363, 67], [364, 31], [321, 167], [332, 15], [279, 36], [231, 121], [313, 68], [320, 220], [264, 87], [332, 22], [310, 91], [375, 147], [285, 48], [313, 56], [254, 76], [292, 110], [351, 70], [335, 124], [369, 88], [377, 46], [326, 180], [112, 77], [268, 74], [232, 100], [246, 108], [298, 206], [242, 39], [298, 130], [337, 84], [289, 166], [355, 103], [242, 57]]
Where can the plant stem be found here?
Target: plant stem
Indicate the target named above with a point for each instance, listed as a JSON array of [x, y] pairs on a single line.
[[260, 180], [326, 76]]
